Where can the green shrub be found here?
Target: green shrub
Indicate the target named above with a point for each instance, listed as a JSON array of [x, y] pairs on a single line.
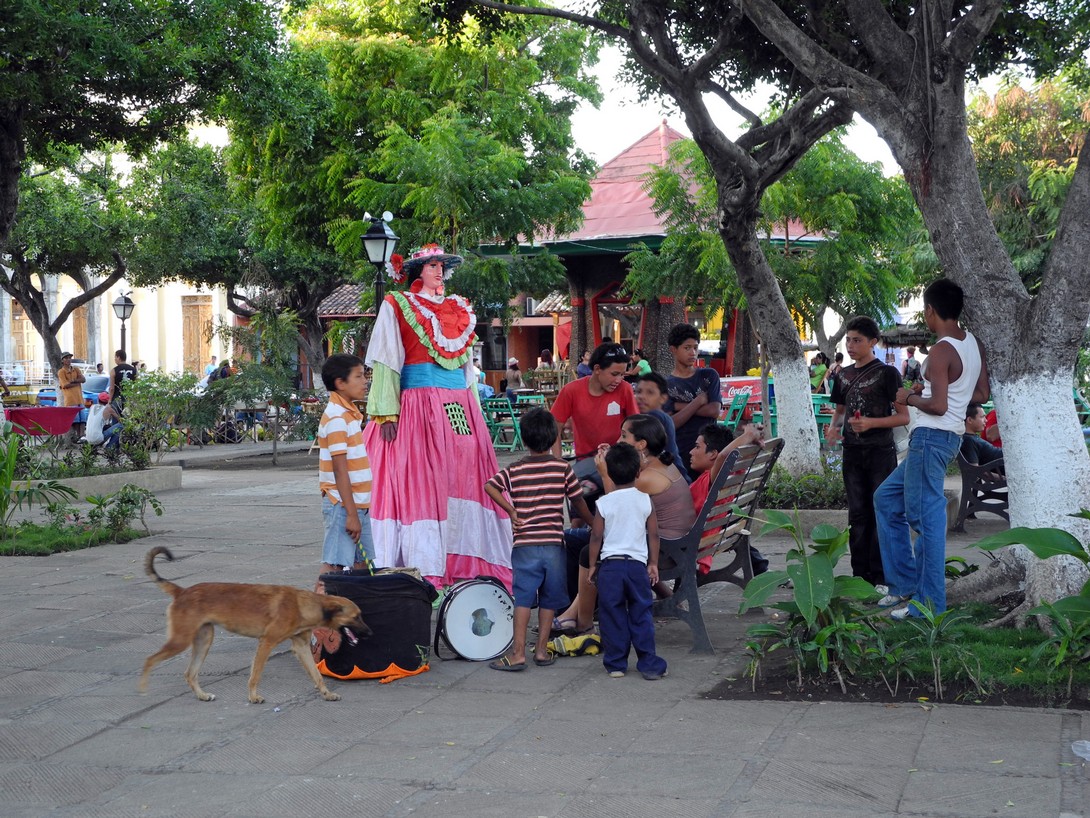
[[825, 490]]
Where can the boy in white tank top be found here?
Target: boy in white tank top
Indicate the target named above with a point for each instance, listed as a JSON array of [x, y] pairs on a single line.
[[911, 498]]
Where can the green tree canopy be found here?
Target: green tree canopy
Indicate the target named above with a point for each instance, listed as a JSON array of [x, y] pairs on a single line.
[[466, 140], [130, 71], [1027, 144]]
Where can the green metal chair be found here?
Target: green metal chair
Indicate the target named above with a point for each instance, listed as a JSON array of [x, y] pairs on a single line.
[[734, 412], [500, 417], [1082, 406]]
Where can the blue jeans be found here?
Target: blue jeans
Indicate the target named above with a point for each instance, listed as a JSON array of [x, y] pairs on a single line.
[[625, 605], [911, 498]]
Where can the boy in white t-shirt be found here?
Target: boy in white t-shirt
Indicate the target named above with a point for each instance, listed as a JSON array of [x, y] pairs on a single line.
[[624, 553]]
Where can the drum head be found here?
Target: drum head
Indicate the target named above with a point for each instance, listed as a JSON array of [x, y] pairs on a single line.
[[478, 620]]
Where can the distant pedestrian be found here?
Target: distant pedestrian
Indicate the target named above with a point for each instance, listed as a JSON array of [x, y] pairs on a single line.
[[210, 367]]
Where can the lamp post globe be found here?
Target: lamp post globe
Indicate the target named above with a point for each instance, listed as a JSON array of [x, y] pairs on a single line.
[[379, 242], [123, 309]]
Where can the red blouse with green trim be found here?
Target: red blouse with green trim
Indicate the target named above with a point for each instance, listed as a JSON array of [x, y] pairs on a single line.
[[435, 329]]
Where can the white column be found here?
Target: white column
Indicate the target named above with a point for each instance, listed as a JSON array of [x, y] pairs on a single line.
[[95, 350], [7, 342]]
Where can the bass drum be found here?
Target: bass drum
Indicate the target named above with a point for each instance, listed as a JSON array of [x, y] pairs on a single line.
[[476, 619]]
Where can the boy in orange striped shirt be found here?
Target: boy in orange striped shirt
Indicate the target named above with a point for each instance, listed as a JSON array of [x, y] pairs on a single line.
[[344, 471]]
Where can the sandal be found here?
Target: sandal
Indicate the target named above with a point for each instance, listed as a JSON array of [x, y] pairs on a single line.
[[549, 660], [505, 664], [563, 626]]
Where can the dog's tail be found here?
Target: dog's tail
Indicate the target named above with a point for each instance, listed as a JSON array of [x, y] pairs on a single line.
[[149, 566]]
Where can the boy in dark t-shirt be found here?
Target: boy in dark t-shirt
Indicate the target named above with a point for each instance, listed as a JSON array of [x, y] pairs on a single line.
[[866, 413], [695, 394]]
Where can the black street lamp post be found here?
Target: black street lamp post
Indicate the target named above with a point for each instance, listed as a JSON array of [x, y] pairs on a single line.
[[123, 307], [379, 242]]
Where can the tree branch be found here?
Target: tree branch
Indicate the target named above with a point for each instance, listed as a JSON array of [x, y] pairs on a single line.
[[710, 59], [732, 102], [78, 301], [883, 39], [1063, 287], [971, 30], [240, 305], [541, 11]]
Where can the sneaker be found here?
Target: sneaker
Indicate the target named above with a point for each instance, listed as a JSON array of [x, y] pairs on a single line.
[[892, 600], [901, 614], [883, 590], [654, 677], [616, 674]]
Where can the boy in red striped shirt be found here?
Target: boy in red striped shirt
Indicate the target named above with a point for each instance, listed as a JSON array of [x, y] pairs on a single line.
[[537, 486]]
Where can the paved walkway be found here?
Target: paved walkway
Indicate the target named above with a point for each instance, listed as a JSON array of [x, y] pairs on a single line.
[[461, 740]]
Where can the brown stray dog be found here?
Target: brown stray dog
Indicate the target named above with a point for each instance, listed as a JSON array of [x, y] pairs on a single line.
[[269, 613]]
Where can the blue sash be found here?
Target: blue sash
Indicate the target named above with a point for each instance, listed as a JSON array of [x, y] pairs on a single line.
[[420, 376]]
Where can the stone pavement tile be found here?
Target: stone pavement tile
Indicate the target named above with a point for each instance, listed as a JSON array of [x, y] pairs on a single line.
[[964, 723], [691, 724], [860, 732], [37, 684], [433, 728], [316, 717], [772, 808], [313, 795], [594, 805], [268, 751], [81, 637], [1004, 752], [135, 748], [515, 770], [45, 785], [703, 772], [153, 795], [77, 710], [470, 703], [975, 795], [18, 655], [425, 766], [25, 740], [829, 783], [501, 803], [581, 730]]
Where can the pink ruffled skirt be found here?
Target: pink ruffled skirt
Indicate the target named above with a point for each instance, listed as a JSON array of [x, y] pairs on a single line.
[[429, 509]]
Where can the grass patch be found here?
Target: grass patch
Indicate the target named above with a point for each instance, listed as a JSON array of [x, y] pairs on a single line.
[[998, 659], [30, 540]]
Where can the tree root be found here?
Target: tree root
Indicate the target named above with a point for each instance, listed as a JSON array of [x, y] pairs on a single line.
[[997, 579], [1017, 615]]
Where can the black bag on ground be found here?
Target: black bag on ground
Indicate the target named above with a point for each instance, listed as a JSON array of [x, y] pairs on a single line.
[[397, 608]]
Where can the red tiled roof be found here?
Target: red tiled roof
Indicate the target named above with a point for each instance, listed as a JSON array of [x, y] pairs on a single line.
[[343, 302], [618, 206]]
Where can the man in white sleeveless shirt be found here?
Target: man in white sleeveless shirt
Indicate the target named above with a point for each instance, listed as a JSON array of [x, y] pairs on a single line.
[[954, 374]]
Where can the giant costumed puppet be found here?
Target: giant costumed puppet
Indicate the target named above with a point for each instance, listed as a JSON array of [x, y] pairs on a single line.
[[430, 449]]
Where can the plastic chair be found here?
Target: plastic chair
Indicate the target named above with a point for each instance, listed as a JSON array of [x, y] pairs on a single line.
[[500, 418], [734, 412]]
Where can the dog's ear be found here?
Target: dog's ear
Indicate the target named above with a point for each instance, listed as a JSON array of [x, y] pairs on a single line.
[[330, 611]]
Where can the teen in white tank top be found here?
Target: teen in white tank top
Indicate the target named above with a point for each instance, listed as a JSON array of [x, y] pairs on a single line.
[[960, 392]]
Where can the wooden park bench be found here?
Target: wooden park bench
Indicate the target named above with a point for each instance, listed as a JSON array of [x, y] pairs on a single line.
[[983, 488], [718, 530]]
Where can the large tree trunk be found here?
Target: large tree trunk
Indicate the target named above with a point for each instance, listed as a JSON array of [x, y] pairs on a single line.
[[312, 345], [796, 422], [918, 107], [11, 165], [662, 315]]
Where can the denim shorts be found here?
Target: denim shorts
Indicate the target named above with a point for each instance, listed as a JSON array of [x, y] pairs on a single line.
[[337, 547], [541, 574]]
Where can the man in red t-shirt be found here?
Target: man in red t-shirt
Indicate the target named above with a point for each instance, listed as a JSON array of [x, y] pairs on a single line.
[[597, 404], [991, 430]]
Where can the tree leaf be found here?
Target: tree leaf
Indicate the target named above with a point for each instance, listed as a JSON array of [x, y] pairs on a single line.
[[1042, 542], [813, 579], [760, 588]]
